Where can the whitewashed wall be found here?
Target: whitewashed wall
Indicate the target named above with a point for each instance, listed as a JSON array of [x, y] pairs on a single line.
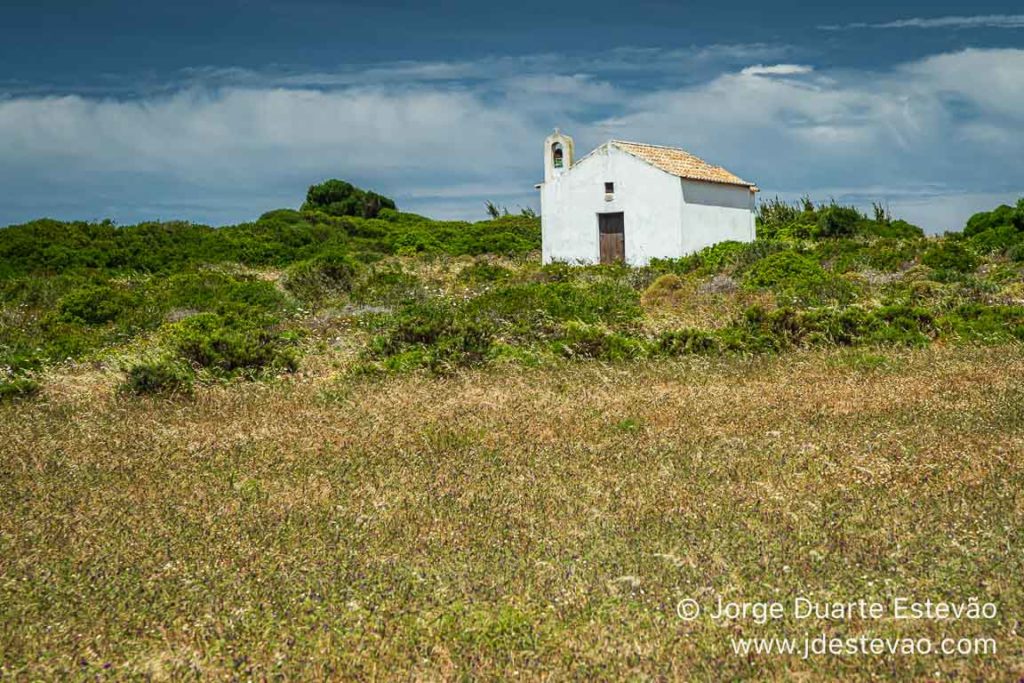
[[649, 198], [714, 213]]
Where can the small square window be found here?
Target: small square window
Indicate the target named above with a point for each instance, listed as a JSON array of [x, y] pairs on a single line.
[[609, 188]]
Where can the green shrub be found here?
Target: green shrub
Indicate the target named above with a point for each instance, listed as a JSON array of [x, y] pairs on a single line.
[[388, 285], [777, 220], [719, 257], [1000, 216], [890, 255], [322, 277], [687, 342], [95, 304], [284, 216], [409, 243], [782, 269], [798, 279], [160, 377], [219, 292], [664, 287], [988, 324], [435, 334], [898, 229], [842, 326], [838, 221], [580, 340], [17, 388], [557, 271], [774, 215], [483, 272], [529, 310], [507, 235], [996, 240], [673, 266], [729, 255], [851, 254], [337, 217], [228, 345], [1016, 252], [949, 256]]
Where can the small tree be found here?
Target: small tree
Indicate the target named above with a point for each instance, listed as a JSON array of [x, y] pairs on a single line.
[[338, 198], [881, 212]]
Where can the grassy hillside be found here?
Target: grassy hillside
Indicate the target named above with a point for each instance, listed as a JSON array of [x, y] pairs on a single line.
[[514, 522], [170, 304], [348, 442]]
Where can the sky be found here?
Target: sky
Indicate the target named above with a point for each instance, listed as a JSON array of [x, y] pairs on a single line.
[[218, 111]]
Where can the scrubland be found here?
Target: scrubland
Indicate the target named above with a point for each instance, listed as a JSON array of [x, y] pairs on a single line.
[[327, 445]]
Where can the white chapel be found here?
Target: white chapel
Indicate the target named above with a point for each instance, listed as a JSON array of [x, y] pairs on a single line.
[[632, 202]]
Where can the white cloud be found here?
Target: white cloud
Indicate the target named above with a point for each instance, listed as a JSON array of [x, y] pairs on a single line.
[[246, 136], [650, 62], [777, 70], [954, 22], [937, 132], [948, 122]]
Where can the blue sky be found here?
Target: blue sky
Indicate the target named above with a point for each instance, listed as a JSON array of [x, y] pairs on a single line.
[[217, 111]]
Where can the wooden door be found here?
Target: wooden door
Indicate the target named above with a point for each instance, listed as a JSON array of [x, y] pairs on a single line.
[[612, 230]]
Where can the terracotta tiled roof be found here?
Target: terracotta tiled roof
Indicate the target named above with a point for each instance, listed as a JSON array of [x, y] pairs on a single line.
[[680, 163]]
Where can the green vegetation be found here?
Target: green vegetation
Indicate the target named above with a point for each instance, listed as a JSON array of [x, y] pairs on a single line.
[[163, 377], [403, 292], [76, 291], [351, 442], [338, 198], [322, 277], [18, 387]]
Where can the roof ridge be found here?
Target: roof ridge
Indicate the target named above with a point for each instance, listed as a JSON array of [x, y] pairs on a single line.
[[648, 144]]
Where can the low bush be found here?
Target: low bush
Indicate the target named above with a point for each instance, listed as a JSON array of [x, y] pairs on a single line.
[[68, 290], [230, 345], [17, 388], [798, 279], [557, 271], [436, 334], [781, 270], [481, 272], [663, 290], [838, 221], [322, 277], [580, 340], [719, 257], [159, 377], [898, 229], [986, 324], [532, 310], [224, 293], [997, 218], [388, 285], [844, 326], [996, 240], [95, 304], [883, 254], [687, 342], [950, 257]]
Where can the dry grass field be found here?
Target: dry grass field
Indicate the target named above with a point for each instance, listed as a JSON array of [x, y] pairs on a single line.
[[511, 522]]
